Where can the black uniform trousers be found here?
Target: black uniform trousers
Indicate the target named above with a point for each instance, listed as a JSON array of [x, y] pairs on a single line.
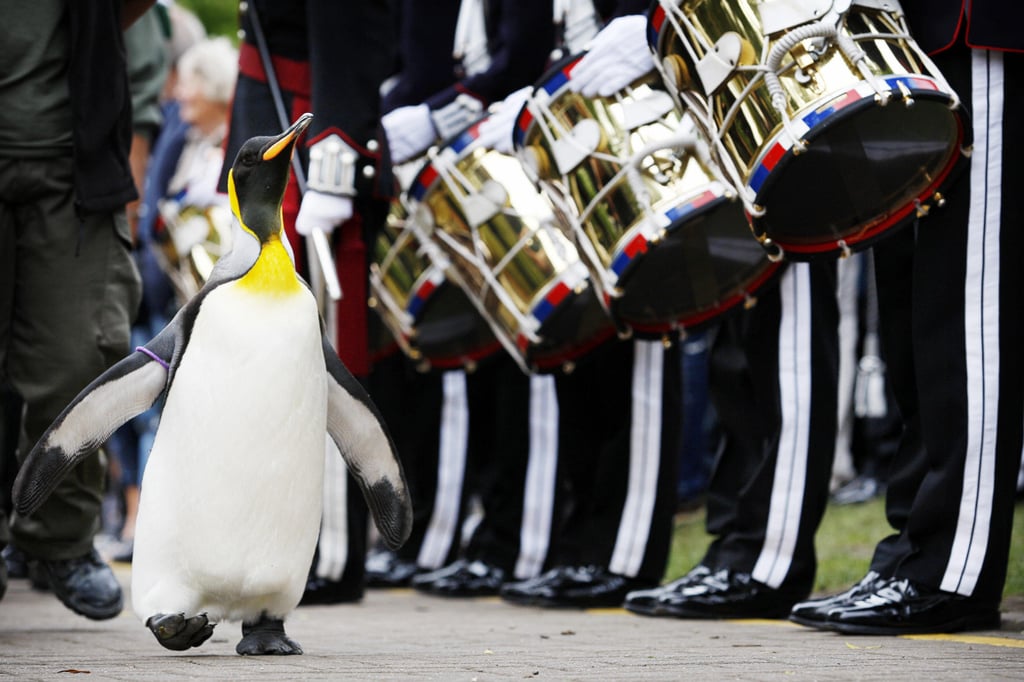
[[619, 431], [952, 326], [773, 382]]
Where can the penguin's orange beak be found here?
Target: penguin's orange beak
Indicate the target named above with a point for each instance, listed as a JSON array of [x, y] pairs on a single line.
[[287, 139]]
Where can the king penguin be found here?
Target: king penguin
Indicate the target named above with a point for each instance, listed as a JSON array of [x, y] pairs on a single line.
[[231, 495]]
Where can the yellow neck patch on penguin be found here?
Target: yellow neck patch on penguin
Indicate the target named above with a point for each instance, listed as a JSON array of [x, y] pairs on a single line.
[[273, 272]]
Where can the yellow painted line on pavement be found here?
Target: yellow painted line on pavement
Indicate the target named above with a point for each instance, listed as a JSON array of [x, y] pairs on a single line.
[[962, 639], [972, 639]]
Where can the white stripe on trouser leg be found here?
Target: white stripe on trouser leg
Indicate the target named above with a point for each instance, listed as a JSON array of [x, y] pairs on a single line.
[[786, 502], [981, 325], [451, 467], [332, 547], [539, 494], [644, 458]]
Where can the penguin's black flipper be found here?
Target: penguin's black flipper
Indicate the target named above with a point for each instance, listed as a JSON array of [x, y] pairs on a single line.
[[125, 390], [356, 426]]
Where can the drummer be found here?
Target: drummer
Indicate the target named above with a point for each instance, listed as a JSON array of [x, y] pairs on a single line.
[[618, 411], [455, 59]]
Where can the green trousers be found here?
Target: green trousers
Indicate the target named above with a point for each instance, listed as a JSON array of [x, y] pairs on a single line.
[[69, 290]]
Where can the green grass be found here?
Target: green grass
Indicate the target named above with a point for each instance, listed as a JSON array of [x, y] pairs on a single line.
[[220, 17], [844, 542]]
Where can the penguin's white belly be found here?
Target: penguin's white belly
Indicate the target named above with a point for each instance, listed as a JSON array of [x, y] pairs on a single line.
[[231, 496]]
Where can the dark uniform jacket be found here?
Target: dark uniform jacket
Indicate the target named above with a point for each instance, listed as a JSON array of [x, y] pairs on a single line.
[[334, 52], [520, 36], [993, 24]]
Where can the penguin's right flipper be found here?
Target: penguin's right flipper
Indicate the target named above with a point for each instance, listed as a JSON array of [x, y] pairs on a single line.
[[125, 390], [357, 428]]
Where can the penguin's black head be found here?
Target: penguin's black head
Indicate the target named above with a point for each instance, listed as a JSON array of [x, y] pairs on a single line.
[[258, 178]]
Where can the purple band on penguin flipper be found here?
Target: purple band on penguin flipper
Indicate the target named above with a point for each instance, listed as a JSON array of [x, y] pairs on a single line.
[[152, 355]]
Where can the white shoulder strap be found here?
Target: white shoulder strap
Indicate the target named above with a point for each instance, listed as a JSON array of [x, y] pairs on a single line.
[[579, 22], [471, 38]]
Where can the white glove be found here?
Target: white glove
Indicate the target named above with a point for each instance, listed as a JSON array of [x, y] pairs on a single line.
[[618, 55], [496, 131], [323, 211], [409, 131]]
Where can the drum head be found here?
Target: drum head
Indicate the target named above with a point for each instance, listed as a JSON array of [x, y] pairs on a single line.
[[704, 265], [579, 325], [450, 331], [860, 174]]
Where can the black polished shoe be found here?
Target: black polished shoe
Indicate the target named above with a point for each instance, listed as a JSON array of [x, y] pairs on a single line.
[[321, 592], [86, 585], [596, 587], [543, 587], [581, 587], [647, 602], [858, 491], [462, 578], [386, 569], [899, 606], [814, 612], [728, 594]]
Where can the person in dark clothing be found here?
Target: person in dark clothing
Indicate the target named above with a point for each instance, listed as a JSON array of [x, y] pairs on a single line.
[[612, 490], [773, 379], [951, 328], [457, 58], [68, 285]]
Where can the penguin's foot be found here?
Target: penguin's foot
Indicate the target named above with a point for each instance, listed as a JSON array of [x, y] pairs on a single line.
[[266, 637], [178, 633]]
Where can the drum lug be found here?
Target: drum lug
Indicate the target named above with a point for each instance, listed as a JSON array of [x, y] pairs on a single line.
[[908, 98], [923, 208], [773, 251]]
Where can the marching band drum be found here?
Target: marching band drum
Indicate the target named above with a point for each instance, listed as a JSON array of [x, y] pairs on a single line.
[[666, 244], [429, 316], [826, 115], [507, 250]]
